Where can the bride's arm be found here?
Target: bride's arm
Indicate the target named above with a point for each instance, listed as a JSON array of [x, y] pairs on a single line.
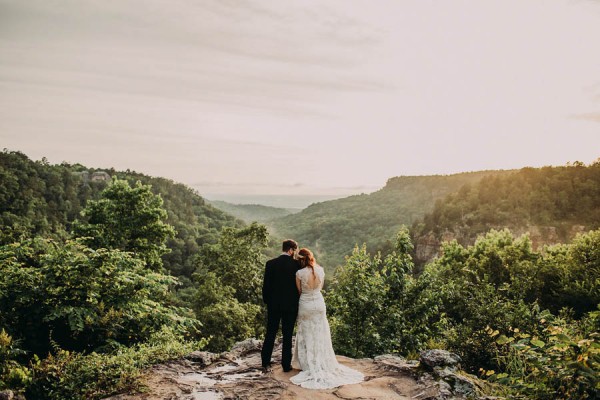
[[298, 285], [322, 275]]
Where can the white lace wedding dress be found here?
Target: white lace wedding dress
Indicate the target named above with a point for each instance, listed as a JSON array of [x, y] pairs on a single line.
[[313, 353]]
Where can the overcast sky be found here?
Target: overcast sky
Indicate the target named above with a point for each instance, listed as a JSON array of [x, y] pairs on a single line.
[[300, 97]]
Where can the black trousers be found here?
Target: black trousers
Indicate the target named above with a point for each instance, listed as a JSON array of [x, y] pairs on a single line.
[[288, 319]]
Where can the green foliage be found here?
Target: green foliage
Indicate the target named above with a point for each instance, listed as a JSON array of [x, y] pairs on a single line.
[[486, 302], [36, 198], [500, 282], [571, 275], [69, 375], [12, 374], [39, 199], [229, 321], [485, 285], [128, 219], [82, 298], [561, 362], [195, 221], [482, 302], [227, 286], [333, 228], [96, 293], [354, 304], [376, 306]]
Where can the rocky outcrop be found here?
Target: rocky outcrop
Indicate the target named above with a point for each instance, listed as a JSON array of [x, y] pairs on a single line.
[[7, 395], [439, 358], [10, 395], [427, 246], [237, 375]]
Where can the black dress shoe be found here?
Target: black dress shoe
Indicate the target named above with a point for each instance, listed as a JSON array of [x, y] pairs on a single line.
[[266, 369], [287, 369]]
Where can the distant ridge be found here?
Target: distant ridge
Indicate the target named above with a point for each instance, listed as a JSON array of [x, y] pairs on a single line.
[[332, 228], [286, 201], [253, 212], [551, 204]]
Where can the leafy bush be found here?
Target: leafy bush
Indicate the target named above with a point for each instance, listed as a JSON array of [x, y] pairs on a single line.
[[499, 283], [570, 275], [12, 374], [561, 362], [82, 298], [376, 306], [226, 292], [355, 305], [70, 375]]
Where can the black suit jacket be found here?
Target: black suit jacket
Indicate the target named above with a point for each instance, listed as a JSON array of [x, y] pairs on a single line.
[[279, 284]]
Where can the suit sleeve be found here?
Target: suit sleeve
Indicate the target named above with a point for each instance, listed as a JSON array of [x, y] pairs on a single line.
[[267, 284]]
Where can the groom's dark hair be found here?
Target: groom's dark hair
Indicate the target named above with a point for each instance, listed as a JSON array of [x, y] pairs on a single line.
[[289, 244]]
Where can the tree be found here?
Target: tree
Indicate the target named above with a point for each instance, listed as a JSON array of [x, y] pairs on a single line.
[[81, 298], [571, 275], [226, 294], [355, 304], [376, 306], [411, 307], [128, 219], [491, 284]]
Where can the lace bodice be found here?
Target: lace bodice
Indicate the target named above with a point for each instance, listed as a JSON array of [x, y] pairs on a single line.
[[308, 283]]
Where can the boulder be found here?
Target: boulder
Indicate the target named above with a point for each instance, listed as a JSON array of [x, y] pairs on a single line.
[[7, 395], [397, 364], [202, 358], [439, 358], [245, 347]]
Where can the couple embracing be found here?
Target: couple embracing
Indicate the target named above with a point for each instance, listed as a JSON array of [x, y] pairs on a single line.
[[292, 291]]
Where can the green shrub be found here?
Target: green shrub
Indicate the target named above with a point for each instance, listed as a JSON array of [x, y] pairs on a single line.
[[376, 306], [226, 292], [562, 362], [12, 374], [81, 298], [70, 375]]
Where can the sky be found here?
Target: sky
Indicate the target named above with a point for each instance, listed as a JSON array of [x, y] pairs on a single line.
[[300, 97]]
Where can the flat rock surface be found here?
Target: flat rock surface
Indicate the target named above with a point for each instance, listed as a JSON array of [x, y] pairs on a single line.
[[236, 375]]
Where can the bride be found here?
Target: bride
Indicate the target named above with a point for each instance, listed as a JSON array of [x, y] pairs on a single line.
[[313, 353]]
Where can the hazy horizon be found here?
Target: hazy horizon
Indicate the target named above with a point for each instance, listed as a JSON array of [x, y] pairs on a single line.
[[305, 98]]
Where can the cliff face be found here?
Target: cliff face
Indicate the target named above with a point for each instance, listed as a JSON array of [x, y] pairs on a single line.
[[236, 375], [427, 246]]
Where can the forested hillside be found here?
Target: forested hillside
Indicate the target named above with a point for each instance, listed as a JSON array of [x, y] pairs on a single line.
[[87, 301], [333, 228], [40, 199], [103, 273], [552, 204], [253, 212]]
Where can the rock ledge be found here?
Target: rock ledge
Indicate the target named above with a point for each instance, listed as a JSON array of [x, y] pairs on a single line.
[[236, 375]]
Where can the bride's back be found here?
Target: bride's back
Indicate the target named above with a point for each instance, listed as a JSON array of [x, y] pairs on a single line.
[[312, 280]]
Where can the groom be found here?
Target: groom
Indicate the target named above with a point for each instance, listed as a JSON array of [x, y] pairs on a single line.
[[281, 296]]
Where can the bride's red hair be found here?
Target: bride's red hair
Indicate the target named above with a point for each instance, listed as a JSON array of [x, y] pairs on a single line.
[[306, 258]]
